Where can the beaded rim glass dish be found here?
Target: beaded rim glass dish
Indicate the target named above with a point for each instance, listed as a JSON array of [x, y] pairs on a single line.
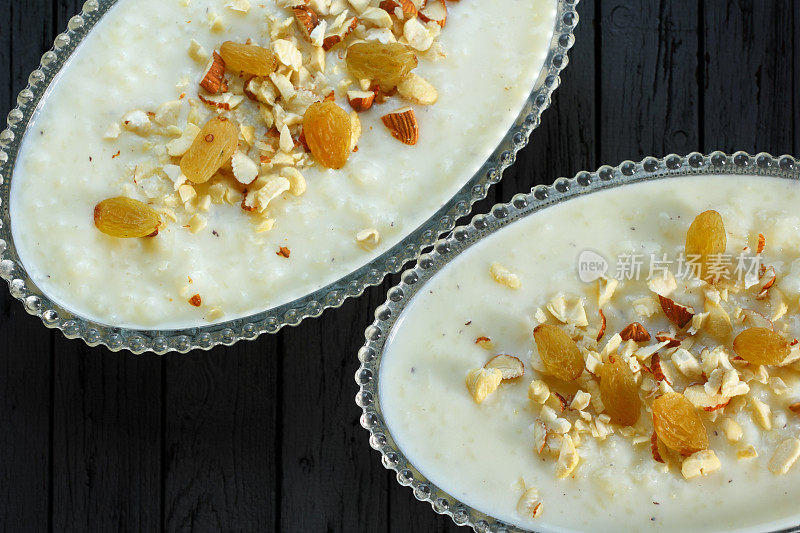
[[482, 225], [291, 313]]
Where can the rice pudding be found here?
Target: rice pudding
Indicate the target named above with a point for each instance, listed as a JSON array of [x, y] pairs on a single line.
[[666, 399], [118, 121]]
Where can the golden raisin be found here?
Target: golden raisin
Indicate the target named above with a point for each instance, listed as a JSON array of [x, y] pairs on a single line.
[[678, 425], [126, 218], [619, 392], [560, 355], [328, 132], [248, 58], [383, 64], [706, 238], [761, 346], [213, 147]]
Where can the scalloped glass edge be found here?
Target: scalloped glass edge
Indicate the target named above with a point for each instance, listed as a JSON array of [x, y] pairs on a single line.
[[482, 225], [292, 313]]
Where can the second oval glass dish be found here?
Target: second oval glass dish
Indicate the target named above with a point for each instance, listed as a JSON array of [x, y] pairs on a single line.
[[416, 280], [291, 313]]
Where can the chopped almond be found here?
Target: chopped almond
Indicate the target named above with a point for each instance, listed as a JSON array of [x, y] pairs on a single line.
[[635, 332], [403, 125], [509, 366], [678, 314], [434, 11], [361, 100], [214, 80]]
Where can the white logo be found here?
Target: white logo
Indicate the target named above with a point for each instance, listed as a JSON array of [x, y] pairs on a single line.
[[591, 266]]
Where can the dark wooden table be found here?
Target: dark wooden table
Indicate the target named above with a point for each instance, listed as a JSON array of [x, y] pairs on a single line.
[[264, 435]]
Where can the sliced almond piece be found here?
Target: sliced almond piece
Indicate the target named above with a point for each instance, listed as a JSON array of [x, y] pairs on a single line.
[[635, 332], [361, 100], [678, 314], [408, 7], [784, 456], [602, 326], [418, 90], [307, 20], [214, 80], [347, 28], [671, 341], [700, 463], [482, 382], [654, 449], [245, 170], [434, 11], [718, 323], [403, 125], [509, 366]]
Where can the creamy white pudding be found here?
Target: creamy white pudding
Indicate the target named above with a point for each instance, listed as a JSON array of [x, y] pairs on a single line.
[[486, 454], [136, 59]]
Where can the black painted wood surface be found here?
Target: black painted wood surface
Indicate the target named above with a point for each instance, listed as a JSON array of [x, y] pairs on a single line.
[[264, 435]]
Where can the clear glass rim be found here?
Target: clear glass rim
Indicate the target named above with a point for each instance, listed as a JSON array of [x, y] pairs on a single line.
[[460, 239], [291, 313]]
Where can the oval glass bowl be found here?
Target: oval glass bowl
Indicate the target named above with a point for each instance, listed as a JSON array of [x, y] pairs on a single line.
[[461, 238], [291, 313]]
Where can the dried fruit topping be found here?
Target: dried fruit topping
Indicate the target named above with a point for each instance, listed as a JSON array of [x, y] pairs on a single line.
[[214, 80], [248, 59], [795, 408], [403, 125], [678, 314], [678, 425], [511, 367], [706, 238], [434, 10], [383, 64], [635, 332], [717, 323], [560, 355], [328, 132], [762, 242], [619, 392], [213, 147], [126, 218], [761, 346], [195, 301]]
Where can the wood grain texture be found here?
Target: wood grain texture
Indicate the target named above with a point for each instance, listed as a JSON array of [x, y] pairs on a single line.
[[748, 72], [221, 437], [25, 346], [330, 478], [648, 61], [106, 439]]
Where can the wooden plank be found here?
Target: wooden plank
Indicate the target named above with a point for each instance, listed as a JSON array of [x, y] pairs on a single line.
[[107, 426], [25, 345], [749, 68], [220, 441], [649, 95], [330, 480], [106, 439]]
